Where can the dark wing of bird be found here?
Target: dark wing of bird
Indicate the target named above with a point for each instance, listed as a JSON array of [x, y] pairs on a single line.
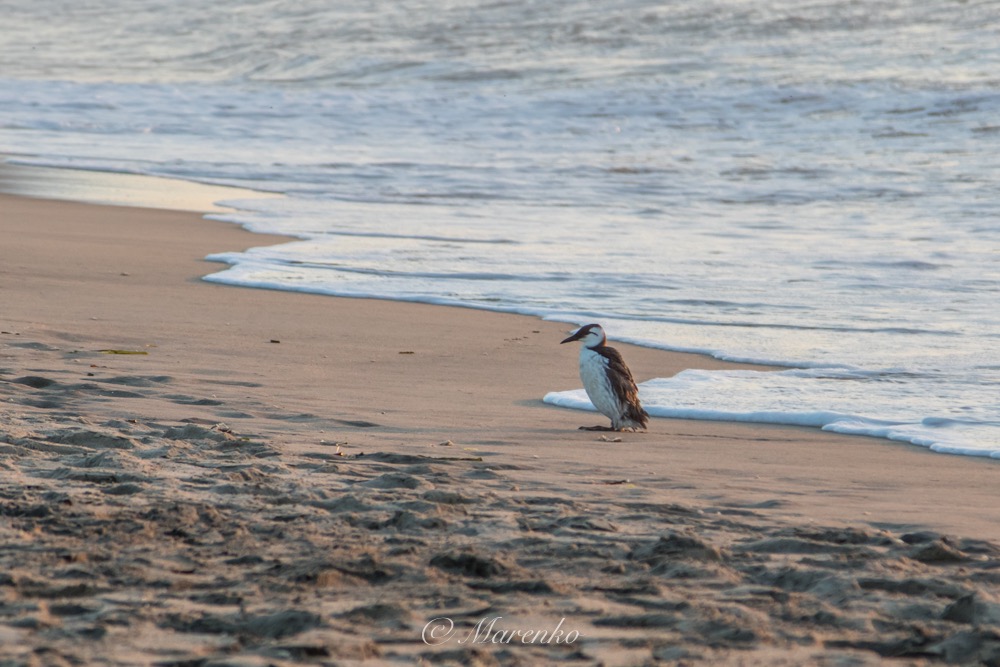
[[624, 384]]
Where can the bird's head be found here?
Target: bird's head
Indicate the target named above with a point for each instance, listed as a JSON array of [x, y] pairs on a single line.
[[591, 335]]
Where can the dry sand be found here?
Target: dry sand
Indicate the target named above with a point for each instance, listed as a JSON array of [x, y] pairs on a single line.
[[280, 478]]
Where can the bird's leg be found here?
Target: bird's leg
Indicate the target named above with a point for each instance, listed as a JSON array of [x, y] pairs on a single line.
[[596, 428]]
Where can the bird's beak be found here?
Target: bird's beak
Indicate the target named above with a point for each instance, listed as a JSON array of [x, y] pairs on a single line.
[[572, 338]]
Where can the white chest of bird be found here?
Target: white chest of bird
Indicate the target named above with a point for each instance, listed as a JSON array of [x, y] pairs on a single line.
[[594, 374]]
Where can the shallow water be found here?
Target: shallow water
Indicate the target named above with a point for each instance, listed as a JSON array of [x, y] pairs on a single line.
[[810, 186]]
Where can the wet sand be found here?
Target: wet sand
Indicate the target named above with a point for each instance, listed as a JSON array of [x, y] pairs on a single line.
[[199, 474]]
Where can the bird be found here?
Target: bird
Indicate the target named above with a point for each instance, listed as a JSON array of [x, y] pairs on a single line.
[[608, 381]]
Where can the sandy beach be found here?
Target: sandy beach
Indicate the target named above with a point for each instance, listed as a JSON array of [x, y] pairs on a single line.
[[196, 474]]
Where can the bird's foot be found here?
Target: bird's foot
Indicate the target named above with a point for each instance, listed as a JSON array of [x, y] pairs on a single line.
[[596, 428]]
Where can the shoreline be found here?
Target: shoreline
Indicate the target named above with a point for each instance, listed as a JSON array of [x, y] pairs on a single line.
[[111, 188], [320, 451], [154, 192]]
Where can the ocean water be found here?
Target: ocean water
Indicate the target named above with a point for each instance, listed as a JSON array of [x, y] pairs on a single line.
[[813, 185]]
